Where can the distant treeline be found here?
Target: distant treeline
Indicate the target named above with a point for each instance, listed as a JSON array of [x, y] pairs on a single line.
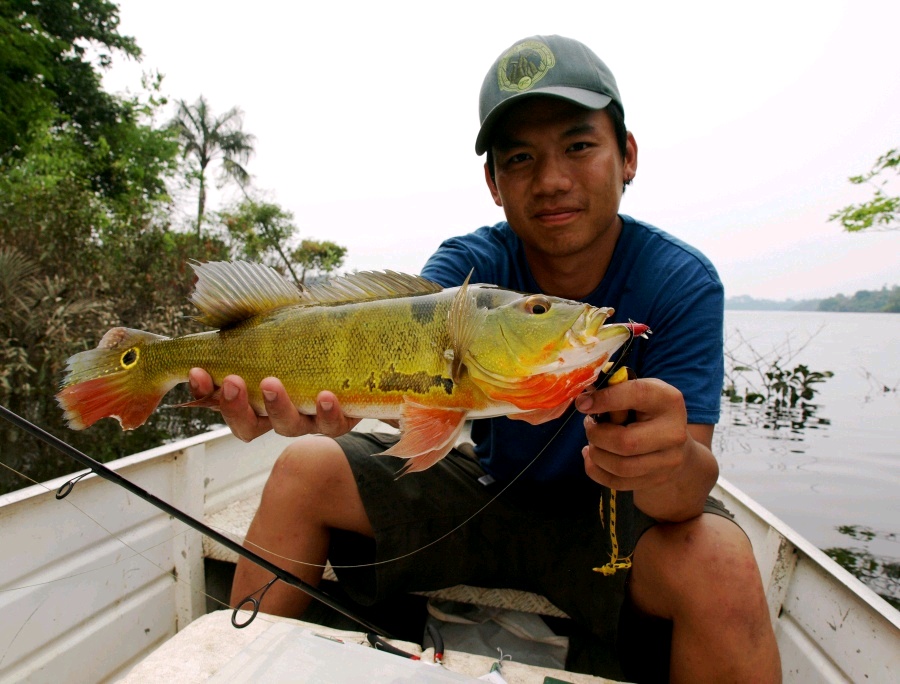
[[885, 300]]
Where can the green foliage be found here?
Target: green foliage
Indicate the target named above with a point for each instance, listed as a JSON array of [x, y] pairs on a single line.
[[882, 301], [48, 80], [259, 231], [205, 138], [319, 257], [774, 392], [86, 241], [882, 212]]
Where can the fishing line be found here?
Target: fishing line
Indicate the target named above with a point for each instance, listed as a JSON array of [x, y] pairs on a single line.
[[602, 378], [478, 512], [136, 554], [108, 474]]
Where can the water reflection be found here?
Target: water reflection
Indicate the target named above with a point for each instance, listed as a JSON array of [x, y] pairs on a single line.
[[880, 573], [775, 441]]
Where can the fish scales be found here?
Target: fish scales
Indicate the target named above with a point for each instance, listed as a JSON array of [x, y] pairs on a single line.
[[388, 345]]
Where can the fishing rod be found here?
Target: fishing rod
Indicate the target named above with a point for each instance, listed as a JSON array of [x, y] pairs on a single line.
[[108, 474]]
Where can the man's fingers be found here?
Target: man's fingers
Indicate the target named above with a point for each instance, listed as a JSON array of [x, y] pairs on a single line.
[[238, 413], [627, 473], [282, 413], [201, 383], [330, 418], [644, 395]]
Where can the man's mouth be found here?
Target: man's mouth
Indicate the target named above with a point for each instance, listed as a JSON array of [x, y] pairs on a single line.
[[557, 215]]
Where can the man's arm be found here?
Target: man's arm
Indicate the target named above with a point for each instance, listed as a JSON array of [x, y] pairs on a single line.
[[666, 462]]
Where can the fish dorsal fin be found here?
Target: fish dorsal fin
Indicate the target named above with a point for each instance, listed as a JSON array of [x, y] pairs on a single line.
[[465, 319], [370, 285], [230, 292]]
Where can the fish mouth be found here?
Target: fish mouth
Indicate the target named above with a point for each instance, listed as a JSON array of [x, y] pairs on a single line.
[[585, 331]]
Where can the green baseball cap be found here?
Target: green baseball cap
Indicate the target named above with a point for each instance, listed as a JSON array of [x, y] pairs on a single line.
[[551, 66]]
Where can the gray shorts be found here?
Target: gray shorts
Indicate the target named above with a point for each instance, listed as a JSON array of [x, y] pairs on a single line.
[[443, 527]]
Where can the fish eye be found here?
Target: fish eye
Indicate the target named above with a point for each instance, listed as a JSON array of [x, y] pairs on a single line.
[[537, 304], [130, 358]]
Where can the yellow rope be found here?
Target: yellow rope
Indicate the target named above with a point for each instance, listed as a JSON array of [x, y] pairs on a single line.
[[615, 563]]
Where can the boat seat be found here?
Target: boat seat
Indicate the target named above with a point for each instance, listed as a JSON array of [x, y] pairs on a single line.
[[234, 521]]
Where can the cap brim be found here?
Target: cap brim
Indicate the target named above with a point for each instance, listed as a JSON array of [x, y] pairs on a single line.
[[585, 98]]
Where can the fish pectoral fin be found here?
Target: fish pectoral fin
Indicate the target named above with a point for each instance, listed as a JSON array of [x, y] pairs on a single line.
[[427, 435], [539, 416], [464, 323]]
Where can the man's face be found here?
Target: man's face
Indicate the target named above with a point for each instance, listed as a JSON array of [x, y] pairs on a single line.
[[559, 176]]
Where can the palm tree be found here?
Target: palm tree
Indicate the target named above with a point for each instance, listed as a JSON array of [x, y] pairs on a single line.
[[205, 138]]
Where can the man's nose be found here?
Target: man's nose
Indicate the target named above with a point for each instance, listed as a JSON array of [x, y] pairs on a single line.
[[552, 176]]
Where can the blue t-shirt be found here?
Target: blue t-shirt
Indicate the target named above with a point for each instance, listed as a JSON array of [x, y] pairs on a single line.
[[653, 278]]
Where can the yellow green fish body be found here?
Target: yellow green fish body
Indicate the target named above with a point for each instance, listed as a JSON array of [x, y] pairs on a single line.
[[389, 345]]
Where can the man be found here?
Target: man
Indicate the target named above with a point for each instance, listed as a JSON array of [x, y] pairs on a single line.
[[678, 587]]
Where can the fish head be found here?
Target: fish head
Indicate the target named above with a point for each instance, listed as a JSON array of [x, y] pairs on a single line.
[[536, 351]]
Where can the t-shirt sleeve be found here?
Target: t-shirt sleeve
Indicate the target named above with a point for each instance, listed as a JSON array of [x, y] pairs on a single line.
[[450, 264], [685, 349]]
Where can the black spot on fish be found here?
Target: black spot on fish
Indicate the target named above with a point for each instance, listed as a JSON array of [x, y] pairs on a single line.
[[346, 383], [419, 382], [370, 382], [422, 309]]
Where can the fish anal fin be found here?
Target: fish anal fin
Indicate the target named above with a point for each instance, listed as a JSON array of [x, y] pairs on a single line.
[[427, 435], [539, 416]]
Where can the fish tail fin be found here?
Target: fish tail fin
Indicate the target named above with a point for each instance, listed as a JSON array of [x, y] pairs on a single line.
[[110, 381]]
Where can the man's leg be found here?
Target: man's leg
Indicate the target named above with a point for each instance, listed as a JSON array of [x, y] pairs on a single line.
[[701, 575], [310, 490]]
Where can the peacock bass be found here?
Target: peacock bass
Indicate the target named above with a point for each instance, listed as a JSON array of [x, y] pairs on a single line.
[[389, 345]]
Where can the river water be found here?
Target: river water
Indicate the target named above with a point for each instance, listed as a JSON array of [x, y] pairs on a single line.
[[838, 463]]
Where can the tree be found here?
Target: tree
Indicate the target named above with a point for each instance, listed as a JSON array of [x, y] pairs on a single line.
[[205, 138], [322, 257], [46, 75], [882, 212], [259, 231], [85, 239]]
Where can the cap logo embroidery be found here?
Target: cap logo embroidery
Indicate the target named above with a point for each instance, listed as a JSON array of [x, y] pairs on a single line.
[[524, 65]]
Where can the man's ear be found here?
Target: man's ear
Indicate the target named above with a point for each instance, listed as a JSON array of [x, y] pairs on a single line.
[[631, 158], [492, 186]]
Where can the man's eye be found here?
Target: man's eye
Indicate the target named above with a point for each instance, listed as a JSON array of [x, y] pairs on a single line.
[[579, 146], [517, 158]]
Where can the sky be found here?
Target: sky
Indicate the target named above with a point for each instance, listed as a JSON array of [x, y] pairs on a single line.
[[749, 118]]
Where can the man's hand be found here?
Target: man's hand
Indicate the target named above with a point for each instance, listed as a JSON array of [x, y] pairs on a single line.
[[281, 414], [667, 463]]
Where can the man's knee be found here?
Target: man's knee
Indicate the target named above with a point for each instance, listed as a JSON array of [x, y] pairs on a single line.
[[701, 561], [307, 468], [312, 481]]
